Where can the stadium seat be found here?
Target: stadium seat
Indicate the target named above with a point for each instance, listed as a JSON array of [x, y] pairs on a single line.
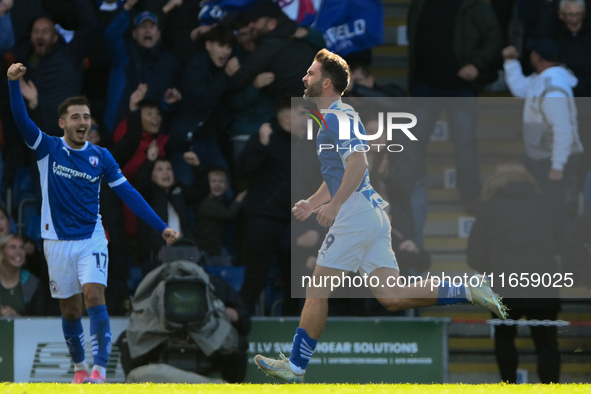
[[233, 275], [12, 227], [34, 230], [24, 198], [23, 187]]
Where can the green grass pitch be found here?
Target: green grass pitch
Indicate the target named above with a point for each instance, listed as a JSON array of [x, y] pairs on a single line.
[[60, 388]]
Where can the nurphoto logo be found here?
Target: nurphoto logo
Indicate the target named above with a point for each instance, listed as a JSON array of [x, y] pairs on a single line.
[[346, 126]]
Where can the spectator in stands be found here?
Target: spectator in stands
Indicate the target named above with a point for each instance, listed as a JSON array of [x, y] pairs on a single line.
[[177, 18], [142, 129], [20, 291], [202, 116], [23, 13], [514, 233], [54, 66], [573, 34], [34, 258], [252, 105], [363, 83], [531, 19], [504, 10], [98, 65], [288, 59], [453, 51], [139, 132], [551, 137], [574, 41], [6, 31], [143, 60], [5, 222], [157, 185], [54, 72], [265, 164], [212, 215]]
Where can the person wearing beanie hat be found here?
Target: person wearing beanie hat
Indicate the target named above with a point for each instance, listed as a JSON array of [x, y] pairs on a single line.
[[276, 51], [262, 9], [141, 61], [546, 48], [143, 17]]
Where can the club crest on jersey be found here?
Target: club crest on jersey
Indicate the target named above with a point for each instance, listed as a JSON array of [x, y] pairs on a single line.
[[94, 160]]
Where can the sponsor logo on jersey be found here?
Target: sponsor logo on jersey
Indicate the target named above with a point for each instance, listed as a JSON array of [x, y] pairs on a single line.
[[69, 173]]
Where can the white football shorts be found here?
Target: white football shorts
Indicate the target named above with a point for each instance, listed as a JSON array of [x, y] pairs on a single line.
[[74, 263], [359, 239]]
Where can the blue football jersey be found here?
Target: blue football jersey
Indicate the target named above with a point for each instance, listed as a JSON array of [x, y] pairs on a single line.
[[70, 184], [334, 160]]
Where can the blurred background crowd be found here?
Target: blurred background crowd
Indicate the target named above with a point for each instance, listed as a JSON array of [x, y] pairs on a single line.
[[192, 98]]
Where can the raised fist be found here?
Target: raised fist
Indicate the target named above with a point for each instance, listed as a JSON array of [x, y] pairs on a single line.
[[16, 71], [510, 53]]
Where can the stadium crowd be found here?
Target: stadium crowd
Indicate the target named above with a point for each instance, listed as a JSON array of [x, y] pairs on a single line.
[[198, 119]]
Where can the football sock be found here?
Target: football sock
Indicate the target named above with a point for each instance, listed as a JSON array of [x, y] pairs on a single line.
[[100, 334], [102, 370], [301, 350], [74, 336], [450, 294]]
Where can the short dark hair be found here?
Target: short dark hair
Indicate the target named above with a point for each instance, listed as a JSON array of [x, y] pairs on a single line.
[[217, 170], [364, 67], [221, 34], [334, 68], [283, 103], [163, 159], [40, 15], [147, 103], [70, 101], [234, 20]]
